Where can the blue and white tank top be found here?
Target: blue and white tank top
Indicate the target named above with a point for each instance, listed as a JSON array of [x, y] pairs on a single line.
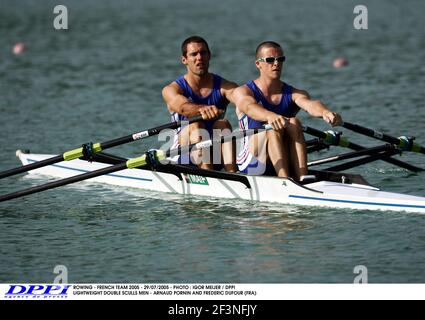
[[286, 107], [214, 98]]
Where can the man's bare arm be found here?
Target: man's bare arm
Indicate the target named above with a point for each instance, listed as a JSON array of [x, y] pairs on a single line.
[[227, 90], [177, 102], [315, 107], [246, 103]]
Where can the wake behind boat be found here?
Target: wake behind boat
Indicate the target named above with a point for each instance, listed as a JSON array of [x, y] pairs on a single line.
[[331, 189]]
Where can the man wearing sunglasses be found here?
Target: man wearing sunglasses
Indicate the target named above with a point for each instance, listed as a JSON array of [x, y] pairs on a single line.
[[267, 99], [201, 92]]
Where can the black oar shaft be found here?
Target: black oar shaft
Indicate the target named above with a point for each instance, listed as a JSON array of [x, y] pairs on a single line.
[[63, 182], [314, 132], [345, 143], [31, 166], [392, 161], [313, 142], [77, 153], [355, 163], [318, 147], [147, 133], [404, 143], [350, 155], [371, 133]]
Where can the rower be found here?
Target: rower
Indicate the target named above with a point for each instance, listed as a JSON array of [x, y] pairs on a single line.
[[269, 100], [204, 93]]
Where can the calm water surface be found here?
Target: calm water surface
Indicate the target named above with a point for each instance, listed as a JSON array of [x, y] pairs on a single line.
[[102, 79]]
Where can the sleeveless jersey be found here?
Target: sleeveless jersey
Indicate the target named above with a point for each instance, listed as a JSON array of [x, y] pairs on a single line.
[[214, 98], [286, 108]]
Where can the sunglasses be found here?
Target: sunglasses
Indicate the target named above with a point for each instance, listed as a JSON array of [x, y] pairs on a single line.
[[272, 59]]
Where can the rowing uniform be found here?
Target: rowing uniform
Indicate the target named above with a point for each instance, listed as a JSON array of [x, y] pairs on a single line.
[[246, 161], [214, 98]]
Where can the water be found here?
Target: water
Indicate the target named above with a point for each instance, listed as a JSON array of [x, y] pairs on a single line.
[[102, 79]]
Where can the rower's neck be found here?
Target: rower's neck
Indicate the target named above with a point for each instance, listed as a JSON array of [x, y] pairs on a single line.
[[269, 86], [199, 81]]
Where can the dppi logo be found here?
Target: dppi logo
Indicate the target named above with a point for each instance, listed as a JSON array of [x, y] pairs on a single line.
[[51, 291]]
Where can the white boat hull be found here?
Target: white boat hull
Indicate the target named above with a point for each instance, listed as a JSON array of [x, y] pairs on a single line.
[[269, 189]]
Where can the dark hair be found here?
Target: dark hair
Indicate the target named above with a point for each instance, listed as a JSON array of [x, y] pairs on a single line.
[[266, 44], [191, 39]]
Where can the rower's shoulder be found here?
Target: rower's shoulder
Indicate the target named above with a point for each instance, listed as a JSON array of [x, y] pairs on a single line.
[[227, 88], [227, 84], [172, 87], [298, 93], [243, 95], [243, 89]]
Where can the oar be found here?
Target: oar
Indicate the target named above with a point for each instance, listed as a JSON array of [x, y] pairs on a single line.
[[404, 143], [315, 145], [390, 160], [333, 138], [355, 154], [329, 137], [138, 162], [97, 147], [359, 162]]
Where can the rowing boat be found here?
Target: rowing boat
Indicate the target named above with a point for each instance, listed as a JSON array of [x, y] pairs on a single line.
[[330, 189]]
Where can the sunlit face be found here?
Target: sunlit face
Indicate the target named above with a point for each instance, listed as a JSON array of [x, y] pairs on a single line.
[[274, 69], [197, 58]]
